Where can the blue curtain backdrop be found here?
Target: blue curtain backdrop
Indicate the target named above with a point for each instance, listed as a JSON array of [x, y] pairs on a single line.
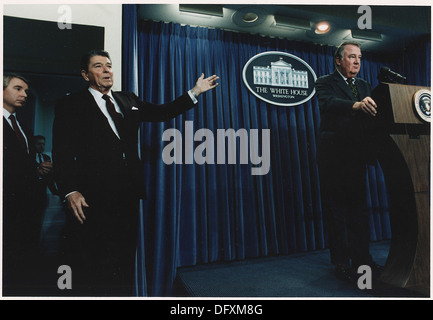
[[197, 214]]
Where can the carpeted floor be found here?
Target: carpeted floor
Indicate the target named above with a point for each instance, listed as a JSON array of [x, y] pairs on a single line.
[[298, 275]]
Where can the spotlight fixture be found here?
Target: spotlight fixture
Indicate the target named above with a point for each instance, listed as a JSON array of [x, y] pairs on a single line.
[[250, 17], [322, 27]]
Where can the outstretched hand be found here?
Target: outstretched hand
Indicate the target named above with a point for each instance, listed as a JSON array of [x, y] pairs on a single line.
[[203, 85]]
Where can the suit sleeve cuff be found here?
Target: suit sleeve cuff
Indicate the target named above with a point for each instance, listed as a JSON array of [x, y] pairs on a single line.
[[193, 96], [70, 194]]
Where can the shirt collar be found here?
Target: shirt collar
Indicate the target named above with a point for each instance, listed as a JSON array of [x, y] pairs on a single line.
[[98, 95], [345, 79], [7, 114]]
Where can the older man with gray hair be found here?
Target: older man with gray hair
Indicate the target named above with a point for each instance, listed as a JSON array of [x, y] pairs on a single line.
[[343, 152]]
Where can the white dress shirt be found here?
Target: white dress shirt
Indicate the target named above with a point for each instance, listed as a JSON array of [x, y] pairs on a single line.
[[345, 79], [102, 105]]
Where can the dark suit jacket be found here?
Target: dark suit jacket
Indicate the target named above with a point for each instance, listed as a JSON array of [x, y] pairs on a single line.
[[88, 156], [44, 181], [20, 223], [342, 131], [19, 174]]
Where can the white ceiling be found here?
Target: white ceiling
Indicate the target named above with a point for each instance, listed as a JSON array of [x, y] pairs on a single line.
[[398, 25]]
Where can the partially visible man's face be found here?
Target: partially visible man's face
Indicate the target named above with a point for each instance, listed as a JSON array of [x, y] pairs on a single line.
[[100, 74], [351, 63], [15, 94], [40, 145]]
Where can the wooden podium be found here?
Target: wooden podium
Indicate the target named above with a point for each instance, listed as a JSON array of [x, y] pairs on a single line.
[[408, 262]]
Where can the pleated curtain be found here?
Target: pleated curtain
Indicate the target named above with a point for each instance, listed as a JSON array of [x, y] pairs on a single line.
[[202, 213]]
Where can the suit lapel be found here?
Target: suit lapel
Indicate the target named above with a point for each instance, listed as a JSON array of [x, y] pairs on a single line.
[[92, 107], [123, 104], [7, 130], [126, 107], [10, 133], [10, 139], [99, 120], [131, 119], [342, 85]]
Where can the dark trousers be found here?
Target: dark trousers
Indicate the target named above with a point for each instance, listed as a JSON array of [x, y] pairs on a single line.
[[345, 211], [343, 189], [101, 251], [21, 226]]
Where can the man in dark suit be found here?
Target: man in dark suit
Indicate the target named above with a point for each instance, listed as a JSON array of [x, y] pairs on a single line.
[[43, 166], [20, 238], [45, 179], [344, 149], [98, 171]]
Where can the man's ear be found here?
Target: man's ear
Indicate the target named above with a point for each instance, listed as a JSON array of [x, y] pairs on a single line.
[[84, 74], [337, 61]]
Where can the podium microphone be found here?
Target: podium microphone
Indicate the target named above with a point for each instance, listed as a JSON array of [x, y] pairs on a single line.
[[387, 75]]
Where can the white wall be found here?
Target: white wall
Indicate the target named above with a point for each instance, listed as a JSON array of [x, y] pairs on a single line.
[[101, 15]]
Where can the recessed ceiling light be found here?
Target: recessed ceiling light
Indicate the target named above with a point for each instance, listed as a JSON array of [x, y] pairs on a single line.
[[250, 17], [322, 27]]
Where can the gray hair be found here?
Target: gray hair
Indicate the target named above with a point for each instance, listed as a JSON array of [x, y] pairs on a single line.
[[9, 76], [339, 53]]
